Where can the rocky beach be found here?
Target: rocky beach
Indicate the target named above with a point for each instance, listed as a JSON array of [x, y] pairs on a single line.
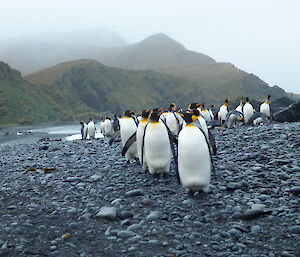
[[80, 198]]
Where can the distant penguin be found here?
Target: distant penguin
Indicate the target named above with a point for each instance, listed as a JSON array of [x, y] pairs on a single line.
[[91, 129], [84, 128], [206, 114], [248, 110], [116, 123], [102, 126], [213, 112], [265, 107], [233, 117], [140, 134], [171, 119], [156, 148], [108, 127], [239, 108], [223, 111], [128, 129], [194, 159]]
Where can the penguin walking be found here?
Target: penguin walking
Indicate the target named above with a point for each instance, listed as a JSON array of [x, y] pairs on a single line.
[[84, 128], [223, 111], [156, 148], [128, 127], [265, 107], [140, 134], [248, 110], [194, 158], [91, 129]]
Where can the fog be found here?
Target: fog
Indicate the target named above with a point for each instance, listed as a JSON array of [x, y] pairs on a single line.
[[259, 36]]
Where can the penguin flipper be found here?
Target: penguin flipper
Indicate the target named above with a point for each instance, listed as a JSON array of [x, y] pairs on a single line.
[[212, 142], [114, 137], [129, 143]]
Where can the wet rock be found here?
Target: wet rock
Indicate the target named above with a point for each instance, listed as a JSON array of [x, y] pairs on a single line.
[[109, 213], [155, 215], [134, 192]]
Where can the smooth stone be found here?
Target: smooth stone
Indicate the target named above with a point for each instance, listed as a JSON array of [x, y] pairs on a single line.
[[254, 213], [134, 192], [125, 234], [155, 215], [95, 178], [295, 230], [233, 186], [295, 190], [255, 229], [134, 227], [109, 213]]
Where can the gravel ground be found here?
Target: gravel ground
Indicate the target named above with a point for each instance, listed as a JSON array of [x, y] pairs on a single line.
[[80, 198]]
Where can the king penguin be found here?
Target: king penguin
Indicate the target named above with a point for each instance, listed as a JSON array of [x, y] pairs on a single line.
[[265, 107], [108, 127], [206, 114], [223, 111], [194, 159], [156, 148], [194, 109], [140, 134], [128, 127], [83, 129], [91, 129], [248, 110]]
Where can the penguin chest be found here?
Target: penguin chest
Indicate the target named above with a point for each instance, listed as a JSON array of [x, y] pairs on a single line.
[[248, 111], [203, 125], [223, 112], [127, 129], [265, 108], [194, 162], [91, 129], [172, 122], [157, 145]]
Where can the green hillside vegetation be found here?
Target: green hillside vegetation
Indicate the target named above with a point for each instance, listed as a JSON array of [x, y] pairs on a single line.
[[21, 102]]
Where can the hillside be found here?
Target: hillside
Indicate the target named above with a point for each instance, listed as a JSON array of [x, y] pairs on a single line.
[[218, 80], [106, 89], [21, 102]]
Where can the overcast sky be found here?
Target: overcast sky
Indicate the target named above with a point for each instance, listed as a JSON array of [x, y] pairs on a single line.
[[258, 36]]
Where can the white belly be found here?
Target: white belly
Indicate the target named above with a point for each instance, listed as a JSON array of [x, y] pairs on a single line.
[[127, 129], [206, 115], [239, 109], [194, 164], [107, 128], [203, 126], [172, 122], [91, 129], [157, 148], [223, 112], [265, 108], [248, 111]]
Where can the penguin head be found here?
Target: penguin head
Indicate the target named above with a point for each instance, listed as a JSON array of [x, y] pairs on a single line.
[[155, 114], [247, 99], [128, 113], [194, 112], [172, 107], [188, 117], [91, 118], [268, 99], [145, 114], [194, 105], [81, 122]]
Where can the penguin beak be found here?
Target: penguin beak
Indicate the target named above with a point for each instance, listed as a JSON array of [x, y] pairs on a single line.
[[181, 114]]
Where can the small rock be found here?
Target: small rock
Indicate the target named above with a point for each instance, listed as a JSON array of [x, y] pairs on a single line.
[[295, 230], [109, 213], [134, 192], [256, 229], [254, 213], [125, 234], [95, 178], [155, 215]]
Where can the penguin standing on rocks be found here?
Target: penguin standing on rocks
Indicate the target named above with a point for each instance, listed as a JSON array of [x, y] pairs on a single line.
[[84, 128], [91, 129], [128, 127], [156, 147], [233, 117], [248, 110], [140, 134], [265, 107], [194, 158], [223, 111], [108, 127], [194, 109]]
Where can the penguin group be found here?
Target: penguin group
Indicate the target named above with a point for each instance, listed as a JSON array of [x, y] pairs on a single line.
[[157, 136]]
